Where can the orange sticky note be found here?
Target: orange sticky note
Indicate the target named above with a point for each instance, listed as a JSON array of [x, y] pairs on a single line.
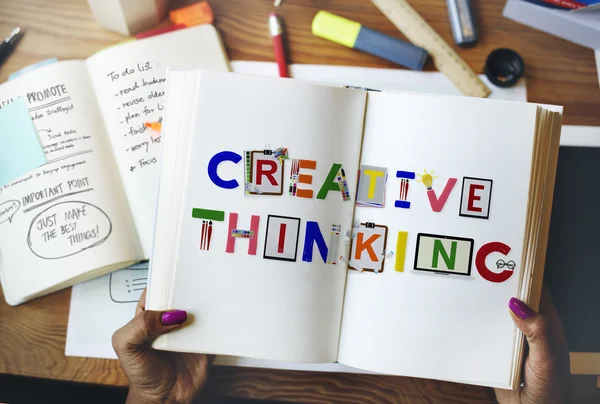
[[196, 14]]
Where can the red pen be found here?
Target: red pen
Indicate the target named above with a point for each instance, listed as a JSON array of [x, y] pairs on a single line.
[[277, 34], [569, 4]]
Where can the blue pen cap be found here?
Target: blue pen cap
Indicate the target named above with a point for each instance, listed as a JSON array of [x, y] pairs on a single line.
[[390, 48]]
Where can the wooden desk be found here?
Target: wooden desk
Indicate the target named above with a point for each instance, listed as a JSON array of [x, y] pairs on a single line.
[[32, 336]]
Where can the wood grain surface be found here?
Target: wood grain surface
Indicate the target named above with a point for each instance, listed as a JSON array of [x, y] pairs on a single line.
[[32, 336]]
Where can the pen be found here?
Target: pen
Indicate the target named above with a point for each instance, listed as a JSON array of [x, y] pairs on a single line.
[[462, 21], [9, 43], [277, 34]]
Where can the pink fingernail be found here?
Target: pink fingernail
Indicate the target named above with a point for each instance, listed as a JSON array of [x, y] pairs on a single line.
[[173, 317], [522, 310]]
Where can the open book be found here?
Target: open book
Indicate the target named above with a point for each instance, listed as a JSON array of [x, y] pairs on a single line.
[[385, 231], [90, 208]]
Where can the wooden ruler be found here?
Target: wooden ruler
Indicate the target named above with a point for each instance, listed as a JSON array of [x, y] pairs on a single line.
[[416, 29]]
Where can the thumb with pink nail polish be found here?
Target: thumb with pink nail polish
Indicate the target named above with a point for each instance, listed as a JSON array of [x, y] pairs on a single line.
[[158, 376], [546, 367]]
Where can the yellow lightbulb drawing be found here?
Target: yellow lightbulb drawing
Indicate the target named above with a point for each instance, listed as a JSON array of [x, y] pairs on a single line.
[[426, 178]]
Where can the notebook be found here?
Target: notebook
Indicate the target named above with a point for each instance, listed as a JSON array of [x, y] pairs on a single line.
[[90, 209], [312, 224]]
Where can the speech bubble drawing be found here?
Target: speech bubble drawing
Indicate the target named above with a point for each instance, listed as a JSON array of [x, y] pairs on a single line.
[[68, 228], [8, 210]]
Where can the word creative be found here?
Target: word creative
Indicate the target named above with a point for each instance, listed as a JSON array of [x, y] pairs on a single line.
[[265, 175]]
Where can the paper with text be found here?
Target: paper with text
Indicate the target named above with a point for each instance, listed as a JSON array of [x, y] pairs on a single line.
[[69, 216], [129, 81]]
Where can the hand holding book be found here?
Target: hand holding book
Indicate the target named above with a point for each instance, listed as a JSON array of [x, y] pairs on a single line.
[[546, 378], [158, 376]]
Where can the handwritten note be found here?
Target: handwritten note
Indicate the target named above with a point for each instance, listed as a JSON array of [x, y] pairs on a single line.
[[71, 206], [139, 96], [130, 82]]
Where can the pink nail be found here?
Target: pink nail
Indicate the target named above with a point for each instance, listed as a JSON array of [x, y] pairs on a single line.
[[173, 317], [522, 310]]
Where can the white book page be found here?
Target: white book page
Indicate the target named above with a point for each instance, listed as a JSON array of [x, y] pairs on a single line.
[[71, 214], [449, 326], [244, 304], [129, 80]]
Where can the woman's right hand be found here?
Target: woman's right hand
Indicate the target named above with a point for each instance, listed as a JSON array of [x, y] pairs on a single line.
[[547, 375]]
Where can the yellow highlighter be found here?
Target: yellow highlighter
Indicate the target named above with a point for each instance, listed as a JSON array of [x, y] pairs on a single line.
[[353, 35]]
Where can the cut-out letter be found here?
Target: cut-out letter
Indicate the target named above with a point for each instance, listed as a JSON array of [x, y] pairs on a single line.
[[456, 254], [371, 186], [401, 250], [332, 183], [405, 177], [313, 235], [362, 245], [437, 204], [266, 168], [367, 250], [213, 169], [264, 173], [439, 250], [252, 237], [482, 268], [305, 178], [281, 240], [476, 197]]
